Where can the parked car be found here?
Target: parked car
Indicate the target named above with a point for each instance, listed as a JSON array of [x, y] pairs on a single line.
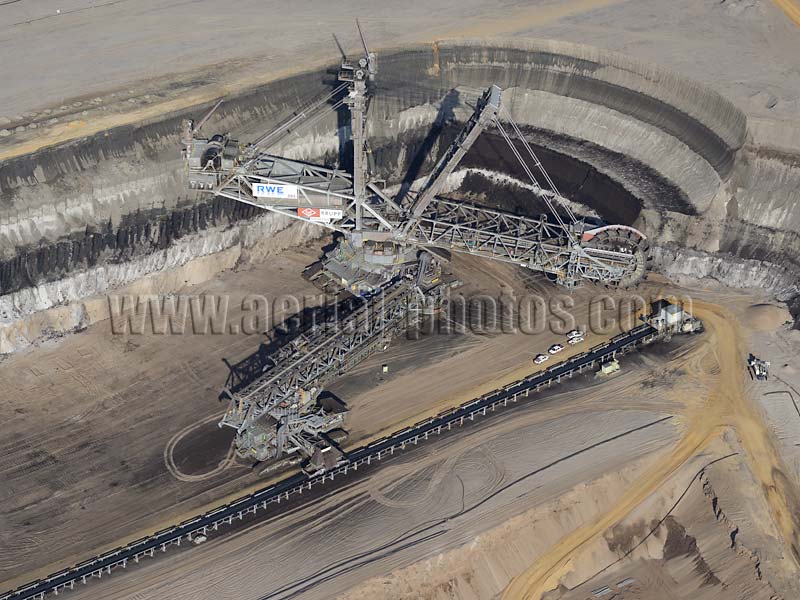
[[574, 340], [555, 348], [575, 333], [540, 358]]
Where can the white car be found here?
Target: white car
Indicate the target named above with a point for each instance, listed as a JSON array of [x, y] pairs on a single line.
[[540, 358], [575, 333], [574, 340], [555, 348]]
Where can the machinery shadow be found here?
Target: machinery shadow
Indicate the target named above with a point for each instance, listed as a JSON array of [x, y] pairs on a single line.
[[445, 115], [344, 160], [252, 367]]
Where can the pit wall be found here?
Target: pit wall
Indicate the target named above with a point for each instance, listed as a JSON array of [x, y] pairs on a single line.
[[703, 188], [77, 301]]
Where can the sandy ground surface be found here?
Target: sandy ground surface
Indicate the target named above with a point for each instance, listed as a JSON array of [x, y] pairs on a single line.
[[660, 482], [437, 497], [112, 63], [712, 517], [107, 407], [125, 431], [558, 492], [701, 547], [125, 439], [148, 58], [104, 408], [727, 405]]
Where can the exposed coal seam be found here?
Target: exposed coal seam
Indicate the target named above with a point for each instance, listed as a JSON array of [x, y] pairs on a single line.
[[267, 104], [144, 232], [139, 234]]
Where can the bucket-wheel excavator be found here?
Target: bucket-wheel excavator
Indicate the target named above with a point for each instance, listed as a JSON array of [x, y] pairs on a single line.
[[387, 252]]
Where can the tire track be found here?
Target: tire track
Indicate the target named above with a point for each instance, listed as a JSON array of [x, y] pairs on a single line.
[[725, 407], [169, 450]]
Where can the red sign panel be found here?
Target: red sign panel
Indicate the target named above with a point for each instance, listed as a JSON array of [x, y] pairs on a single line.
[[309, 213], [325, 215]]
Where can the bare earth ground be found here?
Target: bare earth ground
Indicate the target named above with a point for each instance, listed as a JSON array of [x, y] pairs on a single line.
[[432, 499], [714, 517], [120, 430], [200, 53], [437, 523], [587, 486], [104, 407], [113, 63], [596, 456], [726, 406]]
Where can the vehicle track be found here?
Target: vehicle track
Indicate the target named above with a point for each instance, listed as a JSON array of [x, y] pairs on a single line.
[[727, 406], [169, 450], [294, 589], [295, 484]]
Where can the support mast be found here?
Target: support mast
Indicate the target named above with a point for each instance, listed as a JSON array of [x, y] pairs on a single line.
[[357, 103], [357, 74]]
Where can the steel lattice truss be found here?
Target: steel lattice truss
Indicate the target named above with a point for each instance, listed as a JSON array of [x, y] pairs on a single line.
[[317, 186], [485, 112], [313, 178], [532, 243], [318, 357], [553, 248]]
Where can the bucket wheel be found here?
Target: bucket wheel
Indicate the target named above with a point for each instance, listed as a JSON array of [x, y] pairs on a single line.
[[620, 238]]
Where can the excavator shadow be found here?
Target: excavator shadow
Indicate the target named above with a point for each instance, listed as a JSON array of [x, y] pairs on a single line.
[[445, 116], [252, 367], [332, 404]]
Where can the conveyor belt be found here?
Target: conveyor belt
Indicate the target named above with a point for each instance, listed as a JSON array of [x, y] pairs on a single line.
[[296, 484]]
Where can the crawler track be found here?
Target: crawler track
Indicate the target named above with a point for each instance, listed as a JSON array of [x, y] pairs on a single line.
[[296, 484]]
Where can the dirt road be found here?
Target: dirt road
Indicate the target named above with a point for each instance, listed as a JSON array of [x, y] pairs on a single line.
[[727, 406], [791, 8]]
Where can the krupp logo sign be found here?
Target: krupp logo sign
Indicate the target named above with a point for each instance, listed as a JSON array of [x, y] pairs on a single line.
[[320, 214], [275, 190]]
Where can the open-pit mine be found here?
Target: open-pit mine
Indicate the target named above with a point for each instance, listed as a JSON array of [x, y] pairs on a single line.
[[441, 300]]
